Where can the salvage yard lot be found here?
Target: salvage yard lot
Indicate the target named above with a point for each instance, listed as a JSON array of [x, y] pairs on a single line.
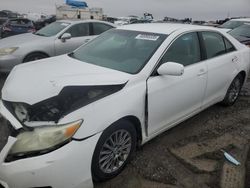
[[189, 155]]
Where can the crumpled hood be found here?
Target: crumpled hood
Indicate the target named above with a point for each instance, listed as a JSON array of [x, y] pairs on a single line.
[[17, 40], [36, 81]]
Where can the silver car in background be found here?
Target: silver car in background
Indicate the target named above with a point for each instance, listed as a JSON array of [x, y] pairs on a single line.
[[55, 39]]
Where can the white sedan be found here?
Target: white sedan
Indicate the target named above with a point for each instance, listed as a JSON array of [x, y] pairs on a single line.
[[77, 118]]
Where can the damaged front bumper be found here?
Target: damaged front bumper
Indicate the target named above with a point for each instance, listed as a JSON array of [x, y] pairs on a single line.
[[67, 167]]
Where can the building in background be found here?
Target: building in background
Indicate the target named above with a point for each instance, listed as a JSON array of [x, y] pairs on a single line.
[[78, 10]]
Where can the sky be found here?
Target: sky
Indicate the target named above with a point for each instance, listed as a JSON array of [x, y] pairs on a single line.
[[196, 9]]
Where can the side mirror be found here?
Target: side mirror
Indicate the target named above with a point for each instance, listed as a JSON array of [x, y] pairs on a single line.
[[65, 36], [171, 68]]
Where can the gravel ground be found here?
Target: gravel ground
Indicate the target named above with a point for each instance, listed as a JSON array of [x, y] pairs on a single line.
[[189, 155]]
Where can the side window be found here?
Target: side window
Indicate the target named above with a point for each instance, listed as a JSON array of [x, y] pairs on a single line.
[[214, 44], [99, 28], [229, 46], [184, 50], [79, 30]]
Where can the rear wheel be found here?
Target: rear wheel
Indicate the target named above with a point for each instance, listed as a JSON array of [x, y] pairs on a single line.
[[34, 56], [113, 150], [233, 91]]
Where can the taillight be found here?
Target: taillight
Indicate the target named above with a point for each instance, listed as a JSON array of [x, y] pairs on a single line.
[[6, 28], [31, 30]]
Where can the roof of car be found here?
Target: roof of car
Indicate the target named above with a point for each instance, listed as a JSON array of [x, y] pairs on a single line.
[[163, 28], [241, 19]]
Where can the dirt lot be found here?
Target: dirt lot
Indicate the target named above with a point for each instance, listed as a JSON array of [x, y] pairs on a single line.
[[190, 155]]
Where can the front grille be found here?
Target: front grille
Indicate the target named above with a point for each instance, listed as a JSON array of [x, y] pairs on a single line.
[[5, 131]]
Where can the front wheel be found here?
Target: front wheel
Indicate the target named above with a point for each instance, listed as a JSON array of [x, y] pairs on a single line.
[[34, 56], [113, 150], [233, 91]]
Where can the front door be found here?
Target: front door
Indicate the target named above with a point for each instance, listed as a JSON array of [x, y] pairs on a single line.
[[80, 34], [172, 98]]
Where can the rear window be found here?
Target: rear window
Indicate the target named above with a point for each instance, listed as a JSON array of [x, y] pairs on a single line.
[[229, 46], [214, 44], [20, 22]]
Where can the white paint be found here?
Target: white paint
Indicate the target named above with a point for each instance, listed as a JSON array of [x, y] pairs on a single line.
[[171, 100]]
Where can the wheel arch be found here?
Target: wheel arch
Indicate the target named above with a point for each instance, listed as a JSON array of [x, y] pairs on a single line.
[[35, 52], [133, 122], [243, 74], [136, 123]]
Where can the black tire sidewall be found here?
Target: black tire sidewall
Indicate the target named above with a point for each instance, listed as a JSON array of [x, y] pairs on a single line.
[[97, 174], [30, 56]]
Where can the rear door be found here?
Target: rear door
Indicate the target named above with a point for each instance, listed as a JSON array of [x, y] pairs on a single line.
[[222, 59], [172, 98], [80, 34]]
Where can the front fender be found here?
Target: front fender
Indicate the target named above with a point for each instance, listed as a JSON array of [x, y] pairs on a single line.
[[99, 115]]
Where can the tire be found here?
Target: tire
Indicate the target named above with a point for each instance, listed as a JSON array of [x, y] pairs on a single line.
[[109, 158], [34, 56], [233, 91]]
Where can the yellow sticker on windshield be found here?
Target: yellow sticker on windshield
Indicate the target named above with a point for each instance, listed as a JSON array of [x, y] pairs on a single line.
[[147, 37]]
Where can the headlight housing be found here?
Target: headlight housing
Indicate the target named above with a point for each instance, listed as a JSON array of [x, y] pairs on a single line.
[[7, 51], [42, 140]]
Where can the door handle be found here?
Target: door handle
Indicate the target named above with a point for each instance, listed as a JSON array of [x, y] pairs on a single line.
[[235, 59], [201, 72]]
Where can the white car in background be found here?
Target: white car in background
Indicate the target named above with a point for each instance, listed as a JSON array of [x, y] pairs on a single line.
[[234, 23], [125, 20], [58, 38], [79, 117]]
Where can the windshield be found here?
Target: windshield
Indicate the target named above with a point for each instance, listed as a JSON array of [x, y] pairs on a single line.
[[126, 51], [243, 30], [231, 24], [52, 29]]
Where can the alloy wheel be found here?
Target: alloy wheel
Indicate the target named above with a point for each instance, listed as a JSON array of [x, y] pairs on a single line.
[[115, 151], [234, 90]]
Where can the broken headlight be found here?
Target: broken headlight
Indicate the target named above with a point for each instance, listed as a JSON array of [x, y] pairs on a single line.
[[42, 140], [21, 111], [69, 99]]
